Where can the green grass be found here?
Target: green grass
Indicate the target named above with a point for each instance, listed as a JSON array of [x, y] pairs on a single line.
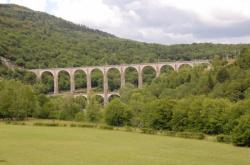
[[34, 145]]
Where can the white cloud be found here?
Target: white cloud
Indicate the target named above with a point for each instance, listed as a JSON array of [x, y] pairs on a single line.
[[3, 1], [212, 11], [93, 13]]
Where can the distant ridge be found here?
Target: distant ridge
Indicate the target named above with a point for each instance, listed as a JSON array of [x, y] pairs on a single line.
[[33, 39]]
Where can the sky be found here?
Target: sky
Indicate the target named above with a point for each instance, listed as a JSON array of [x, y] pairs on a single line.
[[156, 21]]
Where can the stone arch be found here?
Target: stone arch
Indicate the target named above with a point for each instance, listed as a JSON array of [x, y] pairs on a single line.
[[114, 79], [80, 80], [113, 95], [97, 79], [131, 75], [184, 65], [99, 98], [63, 70], [81, 95], [131, 66], [113, 68], [154, 67], [47, 79], [148, 73], [166, 68], [47, 71], [101, 69], [82, 100], [63, 80]]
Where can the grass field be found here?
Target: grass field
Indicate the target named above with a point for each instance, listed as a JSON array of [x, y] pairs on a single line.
[[34, 145]]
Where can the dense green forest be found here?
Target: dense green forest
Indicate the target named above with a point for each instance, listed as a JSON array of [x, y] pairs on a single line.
[[212, 101], [38, 40]]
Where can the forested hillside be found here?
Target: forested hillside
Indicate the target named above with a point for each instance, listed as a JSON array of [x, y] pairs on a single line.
[[38, 40]]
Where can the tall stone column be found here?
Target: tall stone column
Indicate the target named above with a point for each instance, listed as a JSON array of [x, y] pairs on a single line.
[[157, 70], [176, 67], [88, 74], [55, 83], [105, 87], [140, 80], [122, 78], [72, 82], [38, 75]]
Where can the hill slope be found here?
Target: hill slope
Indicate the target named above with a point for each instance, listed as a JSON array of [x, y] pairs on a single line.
[[36, 39]]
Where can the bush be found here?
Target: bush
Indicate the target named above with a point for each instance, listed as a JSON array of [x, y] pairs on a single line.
[[241, 134], [17, 101], [190, 135], [117, 113], [48, 124], [80, 116], [224, 138], [128, 129], [148, 131], [93, 113], [106, 127], [85, 125], [158, 114], [15, 123], [168, 133]]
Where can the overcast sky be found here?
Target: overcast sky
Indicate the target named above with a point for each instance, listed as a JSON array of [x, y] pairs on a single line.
[[159, 21]]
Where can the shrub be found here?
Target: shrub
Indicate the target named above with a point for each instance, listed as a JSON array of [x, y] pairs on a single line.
[[190, 135], [106, 127], [224, 138], [117, 113], [158, 114], [15, 123], [93, 113], [148, 131], [80, 116], [84, 125], [168, 133], [128, 129], [241, 134], [47, 124]]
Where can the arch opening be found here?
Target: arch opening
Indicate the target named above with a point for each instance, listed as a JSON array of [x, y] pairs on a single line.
[[131, 76], [99, 99], [184, 67], [167, 69], [114, 79], [63, 81], [47, 81], [97, 80], [148, 74], [113, 96], [80, 81]]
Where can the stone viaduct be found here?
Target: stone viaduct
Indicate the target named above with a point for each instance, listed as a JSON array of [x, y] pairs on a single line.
[[105, 69]]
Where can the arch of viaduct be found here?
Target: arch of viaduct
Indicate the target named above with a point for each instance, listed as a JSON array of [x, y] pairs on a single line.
[[105, 69]]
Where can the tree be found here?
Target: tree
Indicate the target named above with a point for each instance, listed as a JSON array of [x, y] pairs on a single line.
[[244, 59], [222, 75], [17, 101], [117, 113], [158, 114], [93, 113], [241, 134]]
